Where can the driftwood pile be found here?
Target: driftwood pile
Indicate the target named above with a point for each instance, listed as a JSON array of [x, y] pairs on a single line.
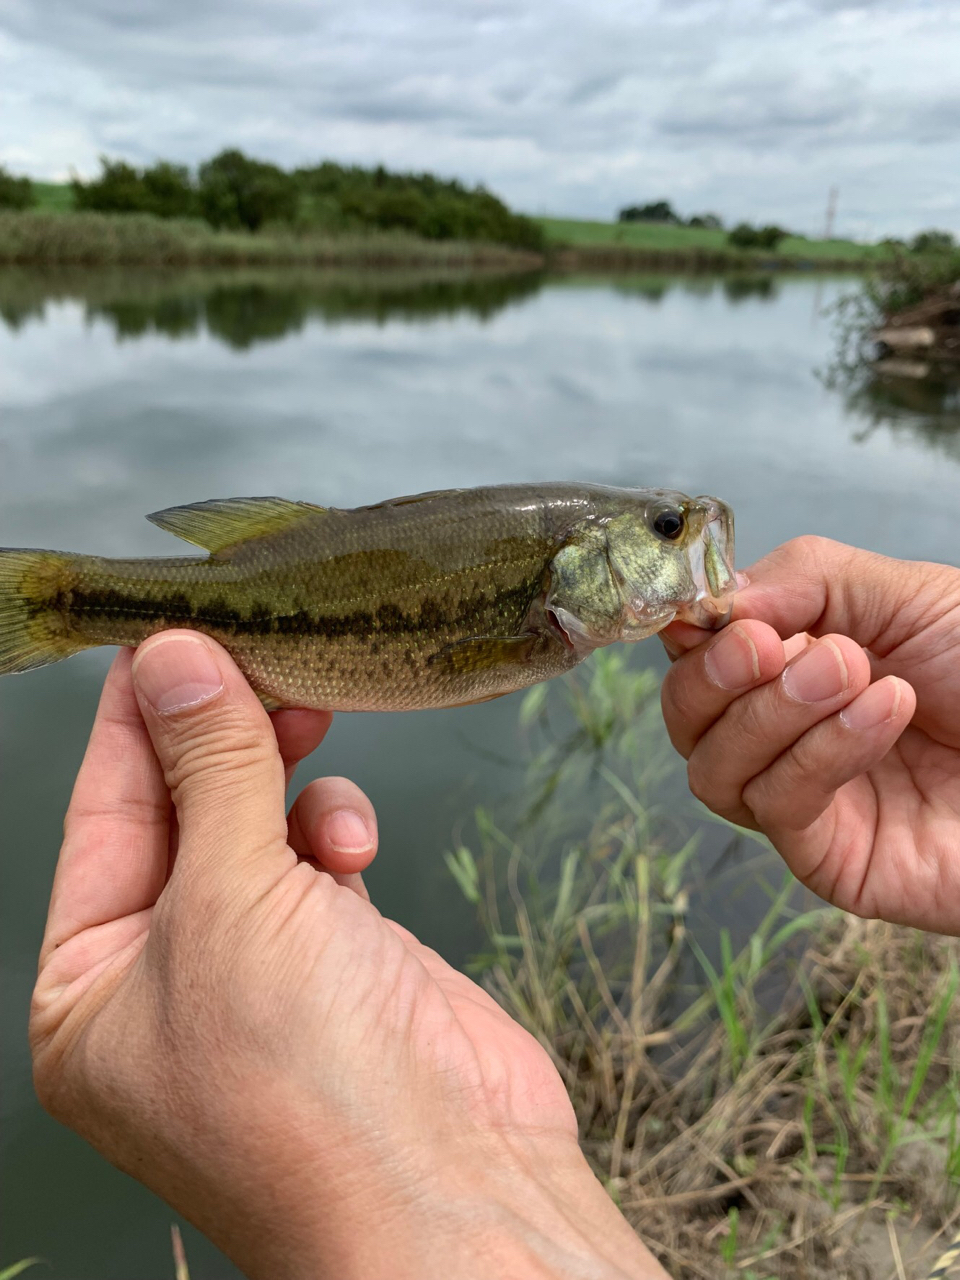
[[910, 342]]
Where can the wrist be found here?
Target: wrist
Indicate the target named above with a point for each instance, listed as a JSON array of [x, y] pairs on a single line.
[[518, 1208]]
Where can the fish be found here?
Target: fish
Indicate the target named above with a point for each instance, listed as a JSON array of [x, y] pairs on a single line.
[[439, 599]]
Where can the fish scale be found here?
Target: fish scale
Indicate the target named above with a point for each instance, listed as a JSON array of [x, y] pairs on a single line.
[[429, 601]]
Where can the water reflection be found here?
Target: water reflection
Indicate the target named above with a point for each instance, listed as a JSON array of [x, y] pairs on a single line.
[[925, 407], [243, 308]]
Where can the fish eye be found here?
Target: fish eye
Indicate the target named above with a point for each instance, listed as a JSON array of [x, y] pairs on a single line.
[[669, 523]]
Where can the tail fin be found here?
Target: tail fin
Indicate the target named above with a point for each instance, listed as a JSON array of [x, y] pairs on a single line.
[[33, 628]]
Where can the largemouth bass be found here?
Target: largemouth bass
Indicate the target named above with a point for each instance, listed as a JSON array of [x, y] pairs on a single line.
[[435, 600]]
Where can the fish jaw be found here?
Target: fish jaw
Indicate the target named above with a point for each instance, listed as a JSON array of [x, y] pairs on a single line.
[[712, 568]]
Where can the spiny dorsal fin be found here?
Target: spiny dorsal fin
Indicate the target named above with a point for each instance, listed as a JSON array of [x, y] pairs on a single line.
[[411, 498], [224, 522]]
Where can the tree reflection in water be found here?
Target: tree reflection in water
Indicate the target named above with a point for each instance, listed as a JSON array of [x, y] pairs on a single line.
[[925, 406], [243, 307]]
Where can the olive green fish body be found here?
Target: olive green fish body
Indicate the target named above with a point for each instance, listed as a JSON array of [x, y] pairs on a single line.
[[430, 601]]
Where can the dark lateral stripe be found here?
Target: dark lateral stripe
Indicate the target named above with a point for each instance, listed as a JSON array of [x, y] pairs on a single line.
[[474, 614]]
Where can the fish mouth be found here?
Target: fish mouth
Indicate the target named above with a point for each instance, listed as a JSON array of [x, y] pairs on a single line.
[[712, 567]]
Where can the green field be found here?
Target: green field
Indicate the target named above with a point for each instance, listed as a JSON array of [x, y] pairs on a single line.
[[654, 237], [53, 197]]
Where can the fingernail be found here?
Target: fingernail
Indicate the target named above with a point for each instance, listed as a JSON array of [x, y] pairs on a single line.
[[876, 705], [732, 661], [817, 675], [176, 672], [742, 580], [347, 832]]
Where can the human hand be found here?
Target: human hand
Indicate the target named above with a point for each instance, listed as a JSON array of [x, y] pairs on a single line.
[[224, 1015], [828, 717]]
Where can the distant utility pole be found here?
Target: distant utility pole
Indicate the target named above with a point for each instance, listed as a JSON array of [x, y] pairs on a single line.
[[831, 213]]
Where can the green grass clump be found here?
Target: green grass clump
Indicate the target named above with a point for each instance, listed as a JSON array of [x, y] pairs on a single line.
[[779, 1103]]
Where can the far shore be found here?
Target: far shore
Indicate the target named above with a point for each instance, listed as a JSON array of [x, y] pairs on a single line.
[[46, 238]]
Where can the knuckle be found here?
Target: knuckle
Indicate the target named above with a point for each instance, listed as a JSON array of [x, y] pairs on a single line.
[[677, 706], [710, 789], [756, 797], [700, 779], [226, 746], [808, 548]]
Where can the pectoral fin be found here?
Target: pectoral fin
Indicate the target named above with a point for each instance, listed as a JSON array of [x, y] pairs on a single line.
[[486, 653]]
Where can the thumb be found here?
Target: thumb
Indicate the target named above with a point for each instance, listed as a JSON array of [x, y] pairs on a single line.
[[216, 747], [822, 587]]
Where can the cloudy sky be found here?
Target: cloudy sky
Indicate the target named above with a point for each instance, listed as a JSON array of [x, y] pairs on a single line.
[[751, 108]]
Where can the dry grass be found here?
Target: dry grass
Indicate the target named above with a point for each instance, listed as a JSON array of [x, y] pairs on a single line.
[[788, 1109], [95, 239]]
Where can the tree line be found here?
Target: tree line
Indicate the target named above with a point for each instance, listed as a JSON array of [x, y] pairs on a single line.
[[237, 192], [746, 236], [742, 236]]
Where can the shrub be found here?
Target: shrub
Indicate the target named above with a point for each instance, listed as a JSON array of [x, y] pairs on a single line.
[[933, 241], [236, 192], [169, 191], [15, 193], [744, 236], [769, 237], [119, 189], [164, 190], [656, 211], [710, 221], [338, 195]]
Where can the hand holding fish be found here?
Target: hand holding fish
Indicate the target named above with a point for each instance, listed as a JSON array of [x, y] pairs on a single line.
[[828, 717], [222, 1013]]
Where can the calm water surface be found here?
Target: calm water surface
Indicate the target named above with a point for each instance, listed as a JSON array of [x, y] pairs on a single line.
[[120, 395]]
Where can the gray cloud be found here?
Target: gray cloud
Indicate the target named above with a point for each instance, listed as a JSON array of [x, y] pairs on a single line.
[[751, 107]]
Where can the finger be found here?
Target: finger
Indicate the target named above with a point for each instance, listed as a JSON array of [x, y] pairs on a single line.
[[800, 784], [817, 585], [113, 862], [298, 733], [219, 757], [333, 824], [760, 726], [701, 685], [680, 637]]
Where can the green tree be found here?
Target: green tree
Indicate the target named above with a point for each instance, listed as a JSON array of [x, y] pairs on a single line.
[[769, 237], [743, 236], [933, 241], [710, 221], [119, 189], [169, 191], [656, 211], [237, 191], [15, 193]]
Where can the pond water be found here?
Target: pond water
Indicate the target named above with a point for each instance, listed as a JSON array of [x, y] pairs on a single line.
[[123, 393]]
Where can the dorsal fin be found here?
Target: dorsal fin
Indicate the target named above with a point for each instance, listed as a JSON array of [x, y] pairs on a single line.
[[410, 498], [224, 522]]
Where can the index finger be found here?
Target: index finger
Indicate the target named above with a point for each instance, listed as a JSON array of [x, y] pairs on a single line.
[[298, 731], [702, 684], [113, 862]]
